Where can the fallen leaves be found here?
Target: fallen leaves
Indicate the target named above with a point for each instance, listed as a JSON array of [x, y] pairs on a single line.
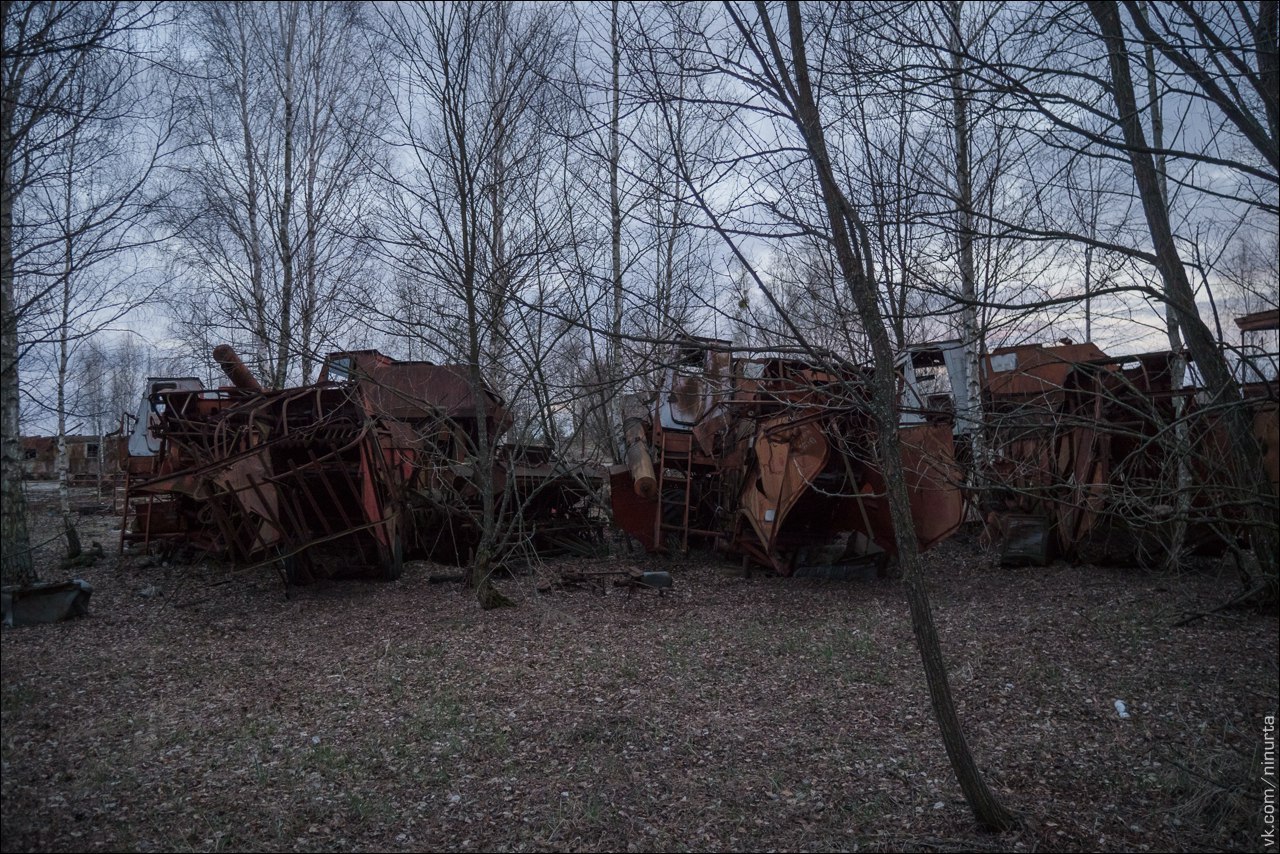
[[728, 714]]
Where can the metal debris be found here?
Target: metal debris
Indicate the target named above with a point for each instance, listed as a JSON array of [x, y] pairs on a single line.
[[45, 603], [772, 459], [373, 463], [1086, 461]]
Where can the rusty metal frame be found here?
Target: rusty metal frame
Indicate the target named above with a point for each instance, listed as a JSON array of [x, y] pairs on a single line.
[[338, 477], [767, 459], [1086, 442]]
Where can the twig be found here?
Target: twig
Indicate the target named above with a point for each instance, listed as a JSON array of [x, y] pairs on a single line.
[[1235, 601]]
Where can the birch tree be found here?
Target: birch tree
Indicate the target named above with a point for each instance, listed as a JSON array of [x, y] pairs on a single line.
[[65, 68], [467, 232], [281, 125]]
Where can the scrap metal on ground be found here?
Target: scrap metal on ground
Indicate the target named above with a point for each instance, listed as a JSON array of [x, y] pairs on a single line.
[[374, 463], [771, 459], [34, 604]]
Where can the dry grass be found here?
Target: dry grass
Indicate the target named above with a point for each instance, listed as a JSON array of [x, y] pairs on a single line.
[[730, 714]]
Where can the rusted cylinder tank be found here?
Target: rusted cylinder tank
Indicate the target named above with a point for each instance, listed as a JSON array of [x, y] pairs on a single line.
[[235, 369], [646, 484]]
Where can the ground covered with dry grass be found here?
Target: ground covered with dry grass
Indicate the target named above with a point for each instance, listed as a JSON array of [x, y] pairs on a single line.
[[732, 713]]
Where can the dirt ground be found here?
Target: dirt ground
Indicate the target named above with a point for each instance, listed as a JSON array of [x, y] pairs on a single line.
[[731, 713]]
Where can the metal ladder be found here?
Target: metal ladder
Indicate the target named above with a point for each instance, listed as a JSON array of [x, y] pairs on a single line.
[[660, 525]]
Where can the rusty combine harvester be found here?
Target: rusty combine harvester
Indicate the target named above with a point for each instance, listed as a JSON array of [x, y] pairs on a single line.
[[373, 463], [771, 459], [1086, 459]]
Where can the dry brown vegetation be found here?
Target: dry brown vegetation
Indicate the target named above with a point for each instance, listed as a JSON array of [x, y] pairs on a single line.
[[732, 713]]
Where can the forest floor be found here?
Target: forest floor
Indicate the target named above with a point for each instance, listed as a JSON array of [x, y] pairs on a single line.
[[730, 714]]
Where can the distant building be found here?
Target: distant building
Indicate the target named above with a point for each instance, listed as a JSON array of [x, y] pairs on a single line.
[[87, 457]]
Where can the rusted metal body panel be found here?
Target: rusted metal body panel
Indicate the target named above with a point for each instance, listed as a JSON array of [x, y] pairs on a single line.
[[1259, 321], [265, 475], [633, 513], [771, 459], [235, 369], [345, 477], [413, 391], [1266, 427], [1091, 444], [1034, 372]]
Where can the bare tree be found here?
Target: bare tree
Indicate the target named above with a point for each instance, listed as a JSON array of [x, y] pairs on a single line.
[[467, 231], [681, 261], [57, 83], [641, 267], [599, 201], [281, 123], [785, 160], [615, 219], [848, 234], [1246, 471], [97, 205], [970, 332]]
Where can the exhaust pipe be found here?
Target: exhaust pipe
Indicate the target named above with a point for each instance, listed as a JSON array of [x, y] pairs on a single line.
[[235, 369]]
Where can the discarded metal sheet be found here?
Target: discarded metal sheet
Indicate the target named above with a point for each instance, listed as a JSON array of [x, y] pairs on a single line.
[[1034, 372], [45, 603], [1026, 541], [630, 578]]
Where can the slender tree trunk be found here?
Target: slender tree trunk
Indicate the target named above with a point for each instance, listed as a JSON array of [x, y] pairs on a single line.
[[480, 575], [1088, 291], [481, 570], [309, 308], [1253, 493], [16, 565], [15, 543], [280, 371], [1266, 37], [1181, 450], [852, 247], [971, 332], [483, 562], [614, 405], [99, 433], [64, 360], [253, 200]]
